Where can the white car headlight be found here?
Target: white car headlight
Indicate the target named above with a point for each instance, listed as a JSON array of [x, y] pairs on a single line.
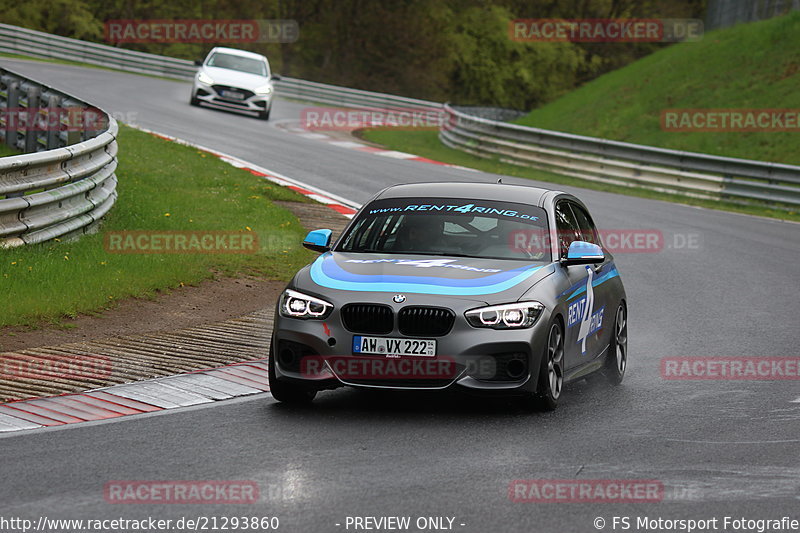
[[205, 78], [506, 316], [298, 305], [264, 89]]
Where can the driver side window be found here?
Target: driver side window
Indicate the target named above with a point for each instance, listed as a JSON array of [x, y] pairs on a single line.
[[566, 227], [588, 231]]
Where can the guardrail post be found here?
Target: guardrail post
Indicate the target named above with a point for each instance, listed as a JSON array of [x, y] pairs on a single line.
[[12, 111], [5, 82], [32, 105], [52, 120], [68, 134]]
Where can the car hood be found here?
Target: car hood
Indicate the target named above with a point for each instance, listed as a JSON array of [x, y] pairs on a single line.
[[234, 78], [485, 280]]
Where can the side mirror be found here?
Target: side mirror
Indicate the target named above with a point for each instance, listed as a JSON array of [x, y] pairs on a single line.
[[318, 240], [583, 253], [198, 62], [275, 77]]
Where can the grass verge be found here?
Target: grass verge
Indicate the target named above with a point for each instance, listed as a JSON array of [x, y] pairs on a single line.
[[6, 150], [746, 66], [426, 144], [163, 186]]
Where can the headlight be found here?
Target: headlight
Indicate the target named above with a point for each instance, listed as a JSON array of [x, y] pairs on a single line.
[[205, 78], [298, 305], [506, 316], [264, 89]]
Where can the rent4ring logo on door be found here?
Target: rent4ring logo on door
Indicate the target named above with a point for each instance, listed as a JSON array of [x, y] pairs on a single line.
[[582, 311]]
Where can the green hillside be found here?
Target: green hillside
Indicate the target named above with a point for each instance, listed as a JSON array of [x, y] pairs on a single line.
[[753, 65]]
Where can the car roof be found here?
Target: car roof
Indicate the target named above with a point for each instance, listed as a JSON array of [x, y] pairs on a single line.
[[237, 52], [504, 192]]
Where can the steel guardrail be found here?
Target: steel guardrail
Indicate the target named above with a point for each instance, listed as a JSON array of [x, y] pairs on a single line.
[[346, 97], [65, 182], [621, 163], [17, 40]]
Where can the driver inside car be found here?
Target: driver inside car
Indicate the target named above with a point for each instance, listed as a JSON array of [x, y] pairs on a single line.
[[420, 234]]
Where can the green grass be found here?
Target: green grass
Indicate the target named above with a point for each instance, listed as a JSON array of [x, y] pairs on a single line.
[[746, 66], [162, 186], [6, 150], [426, 144]]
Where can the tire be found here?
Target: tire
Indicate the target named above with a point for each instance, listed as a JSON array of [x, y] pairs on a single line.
[[617, 358], [194, 101], [264, 115], [551, 372], [287, 392]]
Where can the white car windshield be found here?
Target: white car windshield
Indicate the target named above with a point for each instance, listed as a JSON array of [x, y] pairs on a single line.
[[239, 63]]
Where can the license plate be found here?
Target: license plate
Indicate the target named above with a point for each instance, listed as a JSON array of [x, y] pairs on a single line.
[[393, 347], [233, 94]]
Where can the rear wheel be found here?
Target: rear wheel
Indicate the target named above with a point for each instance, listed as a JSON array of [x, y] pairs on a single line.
[[287, 392], [551, 373], [617, 359]]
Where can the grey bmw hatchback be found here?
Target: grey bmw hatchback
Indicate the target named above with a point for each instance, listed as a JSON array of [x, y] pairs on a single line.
[[487, 287]]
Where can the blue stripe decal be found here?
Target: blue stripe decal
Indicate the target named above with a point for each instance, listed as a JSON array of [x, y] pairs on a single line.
[[325, 272], [613, 273]]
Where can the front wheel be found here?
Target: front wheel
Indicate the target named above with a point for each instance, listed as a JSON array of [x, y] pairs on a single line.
[[617, 359], [551, 372], [194, 100], [287, 392], [264, 115]]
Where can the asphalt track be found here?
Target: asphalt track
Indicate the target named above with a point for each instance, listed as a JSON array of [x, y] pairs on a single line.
[[720, 448]]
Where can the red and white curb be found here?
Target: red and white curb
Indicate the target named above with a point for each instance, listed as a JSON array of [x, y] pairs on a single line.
[[182, 390], [292, 127], [339, 204]]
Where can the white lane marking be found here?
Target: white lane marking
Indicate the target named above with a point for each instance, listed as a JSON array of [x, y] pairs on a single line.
[[348, 144], [321, 199], [396, 155], [795, 401], [313, 135], [140, 395], [190, 383], [12, 423]]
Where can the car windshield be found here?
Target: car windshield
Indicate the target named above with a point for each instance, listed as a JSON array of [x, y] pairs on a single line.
[[450, 226], [240, 63]]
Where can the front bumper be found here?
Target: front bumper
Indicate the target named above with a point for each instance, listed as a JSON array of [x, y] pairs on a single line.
[[213, 95], [319, 354]]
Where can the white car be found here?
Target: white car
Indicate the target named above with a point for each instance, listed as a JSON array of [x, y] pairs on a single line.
[[234, 79]]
